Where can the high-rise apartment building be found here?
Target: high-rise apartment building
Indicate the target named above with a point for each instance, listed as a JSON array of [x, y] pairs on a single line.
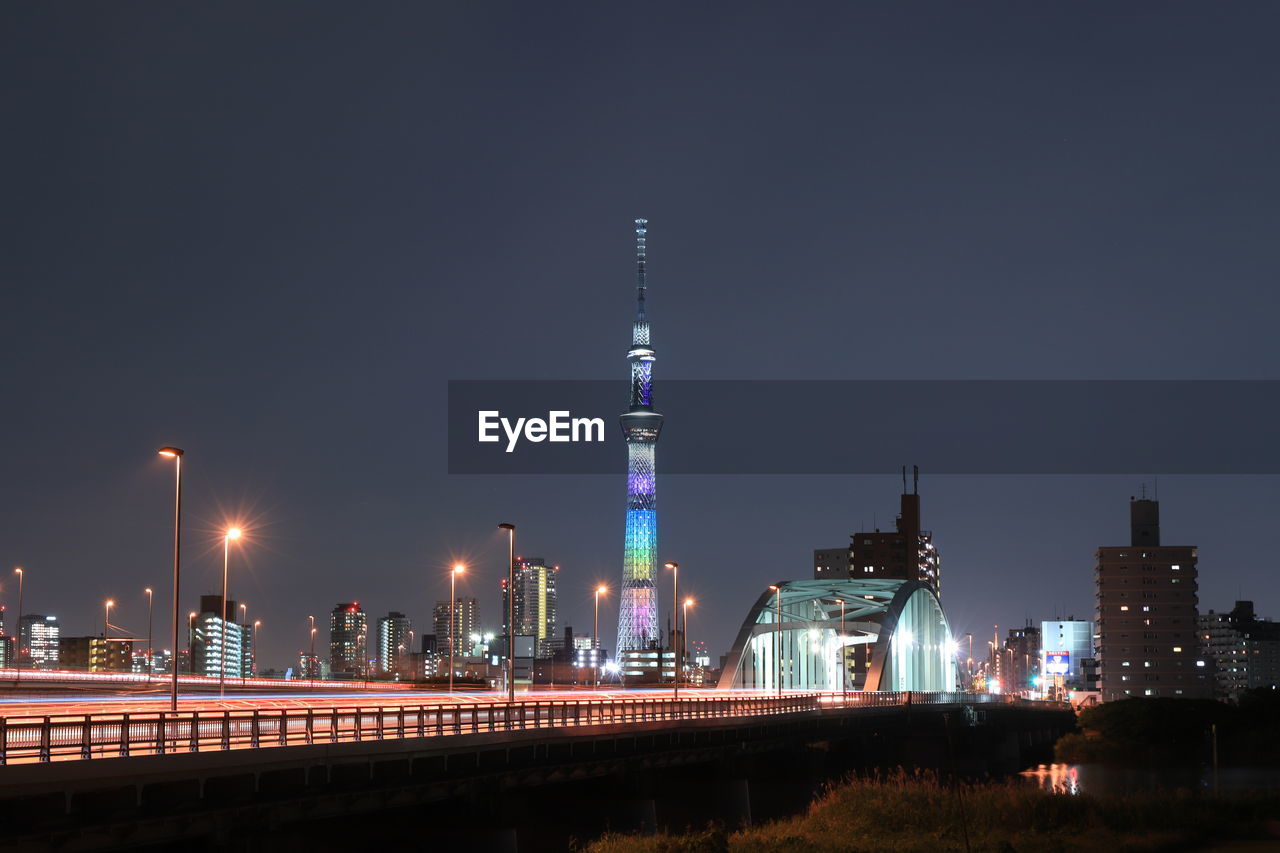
[[348, 639], [466, 624], [218, 643], [907, 552], [1243, 650], [1146, 614], [39, 639], [393, 643], [535, 602], [94, 654]]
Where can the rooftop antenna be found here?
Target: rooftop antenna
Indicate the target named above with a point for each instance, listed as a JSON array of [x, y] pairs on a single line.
[[904, 479], [1144, 491], [915, 479], [1155, 488], [641, 230]]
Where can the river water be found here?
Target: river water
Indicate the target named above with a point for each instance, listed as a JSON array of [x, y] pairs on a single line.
[[1109, 780]]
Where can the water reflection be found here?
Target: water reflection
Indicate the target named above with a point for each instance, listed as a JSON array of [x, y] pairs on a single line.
[[1107, 780]]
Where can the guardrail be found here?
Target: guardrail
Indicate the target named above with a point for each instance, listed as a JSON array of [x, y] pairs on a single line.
[[89, 736]]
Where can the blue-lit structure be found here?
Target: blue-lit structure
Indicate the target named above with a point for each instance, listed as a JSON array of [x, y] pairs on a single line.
[[895, 637], [638, 602]]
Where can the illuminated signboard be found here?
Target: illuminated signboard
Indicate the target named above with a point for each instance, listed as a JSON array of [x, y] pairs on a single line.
[[1057, 663]]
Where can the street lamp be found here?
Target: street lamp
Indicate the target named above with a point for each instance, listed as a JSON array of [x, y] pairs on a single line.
[[175, 453], [844, 667], [232, 533], [244, 614], [777, 637], [106, 622], [511, 610], [18, 645], [150, 656], [253, 649], [453, 610], [675, 615], [595, 633], [684, 638]]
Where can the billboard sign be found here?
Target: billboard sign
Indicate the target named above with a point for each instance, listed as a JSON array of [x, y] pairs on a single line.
[[1057, 663]]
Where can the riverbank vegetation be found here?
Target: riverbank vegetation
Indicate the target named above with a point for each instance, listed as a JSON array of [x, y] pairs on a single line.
[[918, 813], [1153, 732]]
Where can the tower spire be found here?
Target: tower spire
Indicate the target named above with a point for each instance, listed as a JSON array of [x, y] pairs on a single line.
[[640, 330]]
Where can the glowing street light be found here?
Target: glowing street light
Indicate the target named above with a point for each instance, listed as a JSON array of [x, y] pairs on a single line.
[[675, 615], [777, 636], [511, 610], [150, 655], [453, 609], [595, 632], [106, 622], [17, 570], [231, 534], [684, 638], [175, 453], [254, 648]]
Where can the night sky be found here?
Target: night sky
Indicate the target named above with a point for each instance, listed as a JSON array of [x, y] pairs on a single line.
[[271, 233]]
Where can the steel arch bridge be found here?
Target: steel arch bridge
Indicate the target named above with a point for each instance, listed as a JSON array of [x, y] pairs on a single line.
[[895, 637]]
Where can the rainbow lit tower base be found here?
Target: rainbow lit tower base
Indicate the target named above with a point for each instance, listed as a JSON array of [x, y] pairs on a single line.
[[638, 603]]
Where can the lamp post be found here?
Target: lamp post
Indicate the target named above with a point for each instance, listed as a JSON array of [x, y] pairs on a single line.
[[244, 614], [150, 654], [232, 533], [253, 648], [777, 637], [106, 633], [18, 643], [313, 665], [453, 611], [175, 453], [684, 638], [675, 632], [595, 634], [511, 610], [844, 668]]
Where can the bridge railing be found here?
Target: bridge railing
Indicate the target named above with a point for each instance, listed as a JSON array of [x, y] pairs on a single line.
[[88, 736]]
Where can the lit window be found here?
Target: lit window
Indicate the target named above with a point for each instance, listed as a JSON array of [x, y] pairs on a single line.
[[1124, 607], [1177, 648]]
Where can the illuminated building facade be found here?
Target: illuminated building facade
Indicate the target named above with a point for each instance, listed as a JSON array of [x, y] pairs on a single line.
[[895, 637], [218, 641], [94, 654], [466, 622], [39, 638], [638, 604], [348, 639], [1243, 650], [393, 643], [1072, 638], [1147, 643], [535, 603]]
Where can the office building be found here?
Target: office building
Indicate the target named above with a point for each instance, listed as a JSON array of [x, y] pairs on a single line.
[[94, 654], [1242, 649], [535, 603], [465, 623], [1146, 614], [1065, 646], [348, 639], [39, 638], [393, 643]]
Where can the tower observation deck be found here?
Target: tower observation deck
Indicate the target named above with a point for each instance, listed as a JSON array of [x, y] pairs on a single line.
[[638, 603]]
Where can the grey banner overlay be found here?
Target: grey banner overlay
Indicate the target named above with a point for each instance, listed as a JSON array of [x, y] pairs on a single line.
[[875, 427]]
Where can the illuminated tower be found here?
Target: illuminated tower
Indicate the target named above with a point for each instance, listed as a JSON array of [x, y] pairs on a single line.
[[638, 603]]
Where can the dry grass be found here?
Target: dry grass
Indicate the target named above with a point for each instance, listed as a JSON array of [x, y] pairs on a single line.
[[916, 813]]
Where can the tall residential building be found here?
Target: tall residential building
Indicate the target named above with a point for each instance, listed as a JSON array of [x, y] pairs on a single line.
[[348, 639], [1072, 638], [8, 650], [393, 642], [1146, 614], [218, 643], [466, 623], [1244, 650], [39, 638], [638, 603], [535, 602], [905, 553]]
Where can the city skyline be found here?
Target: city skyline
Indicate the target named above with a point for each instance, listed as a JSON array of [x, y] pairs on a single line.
[[294, 273]]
